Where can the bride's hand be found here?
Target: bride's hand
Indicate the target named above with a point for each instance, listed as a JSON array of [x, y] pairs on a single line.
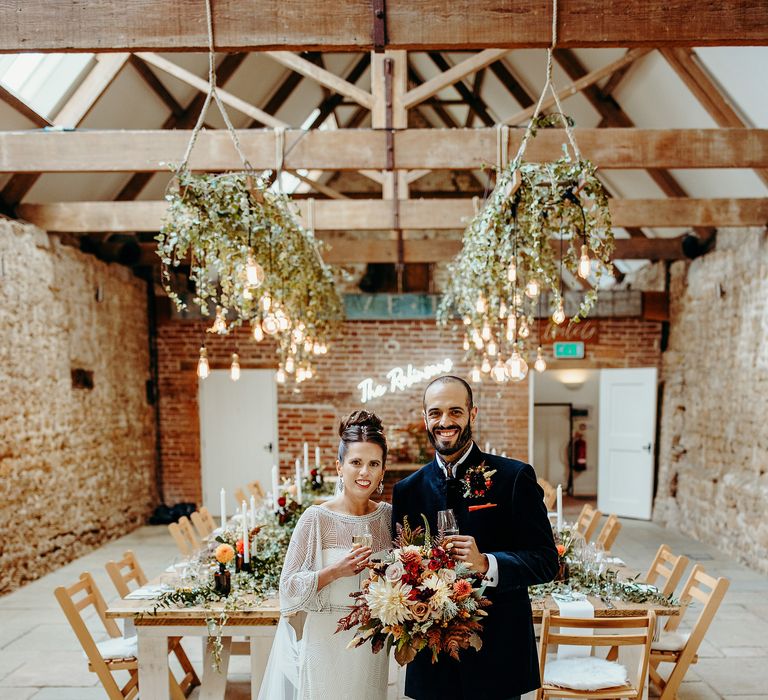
[[353, 561]]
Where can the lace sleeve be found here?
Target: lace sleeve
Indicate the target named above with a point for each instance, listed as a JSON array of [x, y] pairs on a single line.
[[298, 580]]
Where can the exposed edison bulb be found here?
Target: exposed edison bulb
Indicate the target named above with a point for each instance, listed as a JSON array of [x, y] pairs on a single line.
[[293, 349], [467, 320], [486, 334], [308, 345], [525, 329], [220, 322], [517, 367], [323, 349], [308, 374], [247, 295], [254, 273], [465, 344], [234, 368], [540, 365], [283, 322], [492, 349], [511, 327], [499, 372], [316, 349], [266, 302], [280, 375], [585, 264], [203, 368], [298, 333], [258, 333], [289, 365], [502, 310], [476, 376], [270, 324], [532, 289], [559, 314], [518, 298], [512, 272], [301, 375], [486, 366], [480, 305], [478, 341]]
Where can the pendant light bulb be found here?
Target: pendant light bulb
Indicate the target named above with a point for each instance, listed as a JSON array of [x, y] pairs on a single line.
[[559, 314], [512, 272], [486, 334], [234, 368], [502, 310], [270, 324], [465, 344], [220, 323], [254, 273], [308, 374], [289, 365], [499, 372], [477, 340], [532, 288], [517, 367], [316, 349], [511, 327], [266, 302], [258, 333], [308, 345], [480, 306], [476, 376], [525, 330], [323, 349], [585, 264], [467, 320], [203, 368], [301, 375], [492, 349], [283, 322], [486, 366], [298, 333], [247, 294], [280, 375], [540, 365]]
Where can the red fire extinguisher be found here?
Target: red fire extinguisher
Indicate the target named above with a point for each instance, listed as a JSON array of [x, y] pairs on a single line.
[[579, 461]]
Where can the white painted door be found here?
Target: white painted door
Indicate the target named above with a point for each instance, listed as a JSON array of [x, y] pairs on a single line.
[[626, 436], [238, 433]]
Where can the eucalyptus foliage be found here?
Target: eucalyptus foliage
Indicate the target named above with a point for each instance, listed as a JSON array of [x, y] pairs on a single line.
[[216, 224]]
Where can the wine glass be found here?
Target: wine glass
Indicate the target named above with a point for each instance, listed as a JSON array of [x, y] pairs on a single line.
[[446, 523]]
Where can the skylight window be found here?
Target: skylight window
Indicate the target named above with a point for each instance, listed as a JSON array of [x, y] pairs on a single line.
[[43, 81]]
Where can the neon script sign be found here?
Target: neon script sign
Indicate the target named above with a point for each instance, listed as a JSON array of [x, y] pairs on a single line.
[[401, 379]]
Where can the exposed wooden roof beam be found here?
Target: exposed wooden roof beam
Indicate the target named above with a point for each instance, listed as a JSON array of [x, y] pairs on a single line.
[[18, 105], [66, 25], [475, 103], [415, 214], [156, 85]]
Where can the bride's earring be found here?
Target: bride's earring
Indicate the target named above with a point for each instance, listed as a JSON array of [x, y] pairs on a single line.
[[380, 487], [340, 486]]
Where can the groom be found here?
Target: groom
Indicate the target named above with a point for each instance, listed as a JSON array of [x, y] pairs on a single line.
[[504, 534]]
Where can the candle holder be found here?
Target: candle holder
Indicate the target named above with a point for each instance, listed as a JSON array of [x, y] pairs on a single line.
[[222, 581]]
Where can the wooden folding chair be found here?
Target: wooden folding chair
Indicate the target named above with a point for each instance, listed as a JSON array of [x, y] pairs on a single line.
[[640, 638], [185, 546], [587, 522], [254, 488], [189, 533], [76, 598], [608, 533], [680, 649], [550, 493], [203, 522], [668, 567], [127, 571]]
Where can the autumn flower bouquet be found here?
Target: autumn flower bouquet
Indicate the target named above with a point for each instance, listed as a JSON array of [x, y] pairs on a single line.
[[418, 597]]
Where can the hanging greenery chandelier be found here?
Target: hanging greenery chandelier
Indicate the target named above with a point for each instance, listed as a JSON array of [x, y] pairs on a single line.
[[248, 256], [540, 220]]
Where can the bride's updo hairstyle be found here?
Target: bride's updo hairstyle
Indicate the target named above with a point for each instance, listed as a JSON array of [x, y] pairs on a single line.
[[361, 426]]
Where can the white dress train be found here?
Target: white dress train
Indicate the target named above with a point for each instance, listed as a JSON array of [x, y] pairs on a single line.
[[309, 661]]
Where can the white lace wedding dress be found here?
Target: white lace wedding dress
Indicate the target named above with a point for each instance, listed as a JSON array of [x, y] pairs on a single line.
[[309, 661]]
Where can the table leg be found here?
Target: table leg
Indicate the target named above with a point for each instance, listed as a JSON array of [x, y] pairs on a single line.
[[214, 683], [261, 645], [153, 665]]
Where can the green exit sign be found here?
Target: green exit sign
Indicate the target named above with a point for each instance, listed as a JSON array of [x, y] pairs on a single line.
[[571, 350]]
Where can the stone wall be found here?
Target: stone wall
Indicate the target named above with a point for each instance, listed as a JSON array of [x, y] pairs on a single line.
[[77, 465], [713, 480], [364, 349]]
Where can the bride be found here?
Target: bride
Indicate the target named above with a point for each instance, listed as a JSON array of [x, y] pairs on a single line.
[[309, 661]]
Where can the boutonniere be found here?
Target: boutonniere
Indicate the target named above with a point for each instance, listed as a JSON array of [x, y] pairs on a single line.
[[477, 481]]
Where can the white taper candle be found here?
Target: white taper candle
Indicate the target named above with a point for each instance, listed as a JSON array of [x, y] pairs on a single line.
[[246, 542], [559, 507], [298, 482], [223, 508]]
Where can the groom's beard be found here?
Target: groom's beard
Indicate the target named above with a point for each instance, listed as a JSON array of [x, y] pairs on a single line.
[[461, 442]]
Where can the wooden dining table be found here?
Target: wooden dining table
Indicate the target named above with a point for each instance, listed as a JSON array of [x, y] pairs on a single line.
[[257, 625]]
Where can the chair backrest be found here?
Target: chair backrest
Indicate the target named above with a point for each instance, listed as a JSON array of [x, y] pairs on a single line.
[[695, 588], [125, 572], [667, 566], [639, 634], [240, 496], [609, 532], [189, 532], [256, 490], [185, 546], [587, 522], [550, 493], [203, 522]]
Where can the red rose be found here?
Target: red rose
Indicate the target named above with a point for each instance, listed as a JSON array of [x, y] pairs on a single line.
[[434, 565], [487, 483], [281, 501], [239, 546], [313, 472]]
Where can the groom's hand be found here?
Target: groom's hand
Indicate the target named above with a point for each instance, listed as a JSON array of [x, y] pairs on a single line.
[[464, 548]]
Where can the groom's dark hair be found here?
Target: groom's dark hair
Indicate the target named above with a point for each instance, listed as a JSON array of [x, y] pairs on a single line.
[[448, 379]]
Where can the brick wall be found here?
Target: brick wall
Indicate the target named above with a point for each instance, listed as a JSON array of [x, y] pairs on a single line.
[[364, 349], [713, 479], [77, 465]]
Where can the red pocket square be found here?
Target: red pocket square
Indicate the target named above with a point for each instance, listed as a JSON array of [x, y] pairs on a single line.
[[482, 506]]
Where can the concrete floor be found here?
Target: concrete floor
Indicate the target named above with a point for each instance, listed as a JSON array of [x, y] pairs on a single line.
[[41, 657]]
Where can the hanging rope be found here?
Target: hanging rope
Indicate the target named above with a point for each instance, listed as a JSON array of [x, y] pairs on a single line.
[[213, 95], [548, 85]]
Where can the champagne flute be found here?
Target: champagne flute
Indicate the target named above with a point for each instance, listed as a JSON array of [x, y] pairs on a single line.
[[362, 537], [446, 523]]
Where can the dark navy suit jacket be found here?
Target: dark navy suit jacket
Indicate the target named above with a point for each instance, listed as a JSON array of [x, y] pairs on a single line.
[[517, 532]]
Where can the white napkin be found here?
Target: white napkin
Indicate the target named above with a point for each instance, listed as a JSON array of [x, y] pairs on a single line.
[[575, 605], [148, 592]]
